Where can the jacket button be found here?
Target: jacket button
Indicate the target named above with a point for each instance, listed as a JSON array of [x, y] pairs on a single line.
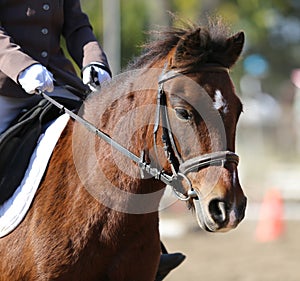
[[45, 31], [46, 7], [44, 54]]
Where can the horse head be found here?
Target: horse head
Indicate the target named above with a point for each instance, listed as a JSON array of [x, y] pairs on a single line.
[[194, 121], [200, 126]]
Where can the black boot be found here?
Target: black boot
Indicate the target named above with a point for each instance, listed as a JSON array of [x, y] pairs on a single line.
[[167, 263]]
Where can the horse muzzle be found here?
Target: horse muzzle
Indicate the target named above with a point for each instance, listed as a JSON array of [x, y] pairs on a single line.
[[219, 215], [214, 190]]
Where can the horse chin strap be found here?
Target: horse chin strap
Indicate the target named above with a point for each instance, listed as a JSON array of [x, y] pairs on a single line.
[[181, 168]]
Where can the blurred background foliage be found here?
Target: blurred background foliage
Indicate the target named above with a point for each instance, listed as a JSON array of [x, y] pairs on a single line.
[[272, 29]]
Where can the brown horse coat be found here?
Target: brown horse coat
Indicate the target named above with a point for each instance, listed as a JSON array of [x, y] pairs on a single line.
[[77, 228]]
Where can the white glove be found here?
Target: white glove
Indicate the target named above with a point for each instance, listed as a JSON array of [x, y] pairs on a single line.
[[36, 77], [93, 75]]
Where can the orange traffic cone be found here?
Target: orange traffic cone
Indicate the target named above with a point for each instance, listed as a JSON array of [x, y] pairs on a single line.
[[270, 225]]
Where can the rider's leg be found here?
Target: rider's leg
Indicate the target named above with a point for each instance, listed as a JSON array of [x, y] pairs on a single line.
[[10, 107], [167, 262]]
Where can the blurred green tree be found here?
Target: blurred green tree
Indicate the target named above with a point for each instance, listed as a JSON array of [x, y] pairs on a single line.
[[272, 28]]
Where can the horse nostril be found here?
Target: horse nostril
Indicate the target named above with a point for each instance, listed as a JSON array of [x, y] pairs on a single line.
[[218, 211], [241, 209]]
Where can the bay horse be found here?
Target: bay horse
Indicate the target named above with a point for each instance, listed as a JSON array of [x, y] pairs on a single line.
[[95, 215]]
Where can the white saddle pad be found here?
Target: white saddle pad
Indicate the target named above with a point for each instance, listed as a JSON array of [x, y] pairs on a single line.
[[13, 211]]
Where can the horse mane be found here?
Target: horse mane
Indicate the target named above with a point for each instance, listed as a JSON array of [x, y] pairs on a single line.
[[204, 48], [204, 43]]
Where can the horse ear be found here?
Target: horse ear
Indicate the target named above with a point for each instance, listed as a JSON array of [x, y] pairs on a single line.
[[196, 47], [234, 48], [189, 48]]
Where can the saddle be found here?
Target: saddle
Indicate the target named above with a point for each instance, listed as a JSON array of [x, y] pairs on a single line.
[[19, 141]]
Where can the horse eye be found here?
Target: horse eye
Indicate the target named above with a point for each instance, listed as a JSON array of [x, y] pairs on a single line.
[[183, 114]]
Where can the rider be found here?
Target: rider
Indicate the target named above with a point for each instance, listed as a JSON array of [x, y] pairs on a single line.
[[31, 58]]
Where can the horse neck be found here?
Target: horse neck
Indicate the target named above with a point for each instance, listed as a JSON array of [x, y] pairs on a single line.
[[127, 116], [91, 199]]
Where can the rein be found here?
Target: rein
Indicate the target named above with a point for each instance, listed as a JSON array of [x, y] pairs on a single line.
[[143, 165], [180, 168]]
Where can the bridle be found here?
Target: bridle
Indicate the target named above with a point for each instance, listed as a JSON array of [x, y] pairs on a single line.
[[180, 168]]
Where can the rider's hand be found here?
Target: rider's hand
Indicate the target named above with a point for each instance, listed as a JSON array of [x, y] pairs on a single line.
[[94, 74], [36, 77]]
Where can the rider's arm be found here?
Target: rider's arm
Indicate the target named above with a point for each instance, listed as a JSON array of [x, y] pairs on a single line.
[[81, 41], [83, 46], [12, 59]]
